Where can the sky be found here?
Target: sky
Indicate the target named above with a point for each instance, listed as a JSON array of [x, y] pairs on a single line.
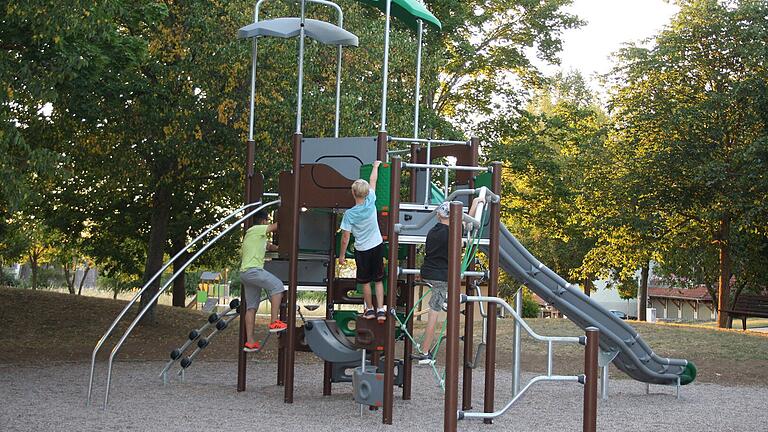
[[610, 24]]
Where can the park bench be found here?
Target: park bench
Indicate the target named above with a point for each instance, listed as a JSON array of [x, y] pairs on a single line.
[[747, 306]]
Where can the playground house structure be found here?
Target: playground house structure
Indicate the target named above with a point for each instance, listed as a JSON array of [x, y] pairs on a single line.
[[317, 189]]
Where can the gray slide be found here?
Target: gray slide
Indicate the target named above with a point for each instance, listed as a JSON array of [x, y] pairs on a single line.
[[633, 356], [329, 343]]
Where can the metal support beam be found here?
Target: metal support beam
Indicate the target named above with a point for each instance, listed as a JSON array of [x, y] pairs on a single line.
[[493, 291], [389, 344], [293, 272], [591, 377], [450, 414]]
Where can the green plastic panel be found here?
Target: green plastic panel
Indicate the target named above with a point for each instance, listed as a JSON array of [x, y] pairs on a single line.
[[382, 185], [484, 179]]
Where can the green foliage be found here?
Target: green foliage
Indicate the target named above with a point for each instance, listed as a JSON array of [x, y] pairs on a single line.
[[531, 308], [547, 150], [692, 139]]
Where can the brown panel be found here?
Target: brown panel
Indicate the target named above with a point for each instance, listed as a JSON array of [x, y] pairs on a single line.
[[369, 334], [465, 155]]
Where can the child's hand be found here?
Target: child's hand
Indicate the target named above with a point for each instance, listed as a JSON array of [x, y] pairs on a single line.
[[376, 163], [342, 260]]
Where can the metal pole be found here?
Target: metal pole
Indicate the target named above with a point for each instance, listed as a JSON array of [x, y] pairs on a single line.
[[604, 383], [450, 414], [409, 300], [493, 291], [469, 312], [516, 354], [300, 90], [389, 344], [293, 268], [385, 72], [427, 179], [328, 366], [418, 81], [590, 383], [338, 81]]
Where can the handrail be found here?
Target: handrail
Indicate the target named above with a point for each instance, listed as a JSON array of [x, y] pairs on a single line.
[[167, 284], [120, 316], [408, 165], [427, 141]]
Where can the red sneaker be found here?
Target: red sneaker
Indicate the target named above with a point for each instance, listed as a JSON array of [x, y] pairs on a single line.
[[251, 347], [277, 326]]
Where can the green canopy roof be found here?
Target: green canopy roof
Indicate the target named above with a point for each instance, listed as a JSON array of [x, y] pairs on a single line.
[[407, 11]]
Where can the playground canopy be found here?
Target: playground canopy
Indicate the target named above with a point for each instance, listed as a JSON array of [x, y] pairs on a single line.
[[407, 11], [286, 28]]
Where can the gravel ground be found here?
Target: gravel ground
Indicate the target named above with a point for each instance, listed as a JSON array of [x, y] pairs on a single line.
[[52, 399]]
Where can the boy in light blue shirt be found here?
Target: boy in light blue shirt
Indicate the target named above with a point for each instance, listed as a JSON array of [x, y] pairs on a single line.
[[361, 220]]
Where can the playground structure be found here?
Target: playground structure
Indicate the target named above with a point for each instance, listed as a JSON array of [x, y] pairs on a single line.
[[316, 190]]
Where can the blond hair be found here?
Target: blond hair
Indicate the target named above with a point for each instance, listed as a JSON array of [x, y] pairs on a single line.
[[360, 188]]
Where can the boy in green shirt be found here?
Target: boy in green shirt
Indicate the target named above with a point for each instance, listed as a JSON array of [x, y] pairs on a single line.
[[254, 278]]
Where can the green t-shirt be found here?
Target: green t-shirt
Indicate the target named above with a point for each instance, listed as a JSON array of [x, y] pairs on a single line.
[[254, 247]]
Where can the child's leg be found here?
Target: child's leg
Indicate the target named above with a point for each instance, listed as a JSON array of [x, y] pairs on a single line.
[[379, 294], [429, 332], [250, 322], [276, 299], [367, 297]]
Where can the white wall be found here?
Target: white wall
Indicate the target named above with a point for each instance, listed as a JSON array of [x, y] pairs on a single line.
[[609, 299]]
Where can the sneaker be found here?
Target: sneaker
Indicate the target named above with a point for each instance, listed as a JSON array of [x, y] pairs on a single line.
[[251, 347], [423, 358], [369, 314], [277, 326], [381, 315]]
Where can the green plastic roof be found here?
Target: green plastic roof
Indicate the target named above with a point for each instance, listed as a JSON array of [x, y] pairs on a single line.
[[407, 11]]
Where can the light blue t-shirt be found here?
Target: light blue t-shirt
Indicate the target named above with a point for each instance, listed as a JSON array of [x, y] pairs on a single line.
[[361, 220]]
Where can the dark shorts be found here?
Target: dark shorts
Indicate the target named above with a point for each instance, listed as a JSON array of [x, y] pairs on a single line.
[[370, 264]]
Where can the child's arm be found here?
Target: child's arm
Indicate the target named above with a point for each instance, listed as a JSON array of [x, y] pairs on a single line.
[[475, 202], [272, 247], [344, 243], [374, 175]]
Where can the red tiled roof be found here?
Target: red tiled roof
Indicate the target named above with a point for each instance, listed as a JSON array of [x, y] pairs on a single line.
[[698, 293]]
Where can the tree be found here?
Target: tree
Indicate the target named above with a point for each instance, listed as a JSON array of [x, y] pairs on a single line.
[[547, 150], [693, 113]]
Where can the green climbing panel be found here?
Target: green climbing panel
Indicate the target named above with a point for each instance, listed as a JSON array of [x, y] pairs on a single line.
[[484, 179], [382, 185]]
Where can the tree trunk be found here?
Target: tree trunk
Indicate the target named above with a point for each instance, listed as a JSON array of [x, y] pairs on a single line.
[[179, 284], [161, 205], [69, 277], [724, 281], [82, 281], [642, 292], [588, 286], [33, 267]]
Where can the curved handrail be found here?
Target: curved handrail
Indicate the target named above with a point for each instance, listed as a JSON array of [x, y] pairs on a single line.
[[167, 284], [120, 316]]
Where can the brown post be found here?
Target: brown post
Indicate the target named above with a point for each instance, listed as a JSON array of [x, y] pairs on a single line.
[[242, 356], [493, 291], [409, 300], [469, 309], [381, 146], [389, 345], [327, 366], [293, 272], [450, 414], [590, 383]]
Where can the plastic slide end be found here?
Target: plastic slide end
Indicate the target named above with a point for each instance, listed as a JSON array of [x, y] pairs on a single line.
[[689, 374]]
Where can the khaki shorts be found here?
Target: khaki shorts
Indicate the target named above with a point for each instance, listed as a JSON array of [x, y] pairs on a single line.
[[253, 280], [439, 294]]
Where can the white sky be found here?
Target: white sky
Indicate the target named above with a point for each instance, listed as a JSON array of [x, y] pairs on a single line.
[[610, 24]]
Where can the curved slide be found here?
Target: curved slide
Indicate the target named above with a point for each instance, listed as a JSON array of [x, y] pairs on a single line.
[[328, 342], [633, 356]]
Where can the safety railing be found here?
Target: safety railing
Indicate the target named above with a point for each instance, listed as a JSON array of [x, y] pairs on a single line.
[[549, 340], [149, 283], [152, 301]]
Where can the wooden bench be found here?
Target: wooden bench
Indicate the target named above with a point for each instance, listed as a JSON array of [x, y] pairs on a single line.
[[747, 305]]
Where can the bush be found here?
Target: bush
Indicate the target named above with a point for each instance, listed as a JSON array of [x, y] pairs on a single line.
[[7, 279], [531, 308]]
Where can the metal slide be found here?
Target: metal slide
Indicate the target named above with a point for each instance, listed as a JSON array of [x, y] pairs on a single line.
[[632, 355]]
